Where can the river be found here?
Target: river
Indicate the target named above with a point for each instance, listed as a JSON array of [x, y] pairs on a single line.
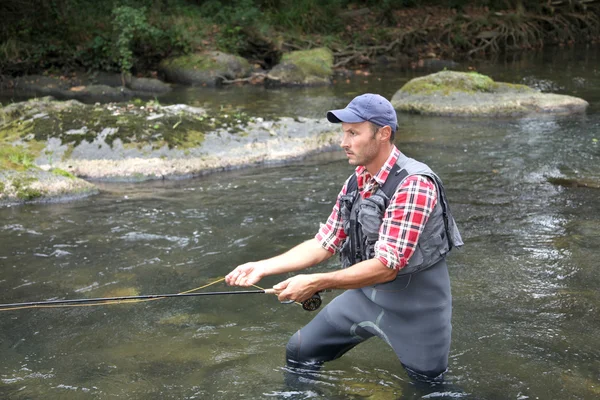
[[525, 285]]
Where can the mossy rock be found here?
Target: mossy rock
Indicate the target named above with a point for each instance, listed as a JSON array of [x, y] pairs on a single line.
[[206, 69], [303, 68], [450, 93], [129, 142], [35, 186]]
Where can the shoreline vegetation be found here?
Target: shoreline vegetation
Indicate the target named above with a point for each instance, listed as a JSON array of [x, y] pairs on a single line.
[[134, 37]]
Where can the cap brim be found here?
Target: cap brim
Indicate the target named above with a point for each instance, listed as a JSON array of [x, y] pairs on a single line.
[[343, 115]]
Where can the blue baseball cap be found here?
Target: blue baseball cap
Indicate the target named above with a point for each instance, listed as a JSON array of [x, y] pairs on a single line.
[[366, 107]]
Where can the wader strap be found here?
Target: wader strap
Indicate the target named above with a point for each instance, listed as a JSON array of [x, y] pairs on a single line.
[[351, 187], [352, 184], [395, 177]]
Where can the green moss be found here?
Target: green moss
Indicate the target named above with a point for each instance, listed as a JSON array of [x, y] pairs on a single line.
[[62, 172], [448, 82], [75, 125], [16, 158], [318, 62], [2, 187], [23, 189], [15, 130]]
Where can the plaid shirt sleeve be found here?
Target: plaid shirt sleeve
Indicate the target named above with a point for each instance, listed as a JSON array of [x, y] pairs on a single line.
[[331, 235], [404, 220]]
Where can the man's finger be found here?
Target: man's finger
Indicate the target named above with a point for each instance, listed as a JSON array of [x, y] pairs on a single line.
[[240, 279]]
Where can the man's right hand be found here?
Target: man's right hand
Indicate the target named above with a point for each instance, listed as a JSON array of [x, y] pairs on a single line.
[[246, 274]]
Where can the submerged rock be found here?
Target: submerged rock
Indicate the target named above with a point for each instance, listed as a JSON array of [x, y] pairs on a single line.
[[99, 87], [449, 93], [574, 182], [303, 68], [209, 69]]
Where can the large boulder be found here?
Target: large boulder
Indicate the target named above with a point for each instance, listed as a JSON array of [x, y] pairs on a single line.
[[303, 68], [208, 69], [50, 142], [451, 93]]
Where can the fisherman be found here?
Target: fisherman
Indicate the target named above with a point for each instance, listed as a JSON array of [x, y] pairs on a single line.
[[392, 227]]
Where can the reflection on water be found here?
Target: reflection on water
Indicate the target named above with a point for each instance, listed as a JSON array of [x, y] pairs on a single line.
[[525, 284]]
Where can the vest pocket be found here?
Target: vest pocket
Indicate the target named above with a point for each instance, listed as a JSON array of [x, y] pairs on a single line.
[[370, 216], [434, 248]]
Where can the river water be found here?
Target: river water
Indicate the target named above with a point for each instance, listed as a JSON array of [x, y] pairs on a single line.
[[525, 285]]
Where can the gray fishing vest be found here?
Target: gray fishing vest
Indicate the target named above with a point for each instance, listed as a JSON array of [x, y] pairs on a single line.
[[362, 219]]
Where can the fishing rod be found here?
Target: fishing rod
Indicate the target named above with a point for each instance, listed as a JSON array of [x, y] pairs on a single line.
[[310, 304]]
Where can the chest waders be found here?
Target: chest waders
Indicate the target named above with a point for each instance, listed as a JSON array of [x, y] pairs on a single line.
[[412, 313]]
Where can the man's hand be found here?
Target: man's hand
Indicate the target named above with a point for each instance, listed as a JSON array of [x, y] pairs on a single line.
[[297, 288], [246, 274]]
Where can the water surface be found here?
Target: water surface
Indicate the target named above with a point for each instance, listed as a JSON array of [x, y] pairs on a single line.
[[524, 285]]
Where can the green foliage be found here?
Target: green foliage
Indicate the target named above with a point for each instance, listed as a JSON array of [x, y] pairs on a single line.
[[135, 35], [309, 16], [62, 172], [235, 17], [16, 158], [130, 24]]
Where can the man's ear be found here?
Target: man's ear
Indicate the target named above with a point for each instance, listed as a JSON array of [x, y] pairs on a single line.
[[385, 132]]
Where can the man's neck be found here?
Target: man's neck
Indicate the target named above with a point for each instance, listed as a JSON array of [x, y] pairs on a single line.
[[376, 165]]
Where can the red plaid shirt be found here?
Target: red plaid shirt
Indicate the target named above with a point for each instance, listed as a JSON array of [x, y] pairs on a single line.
[[403, 221]]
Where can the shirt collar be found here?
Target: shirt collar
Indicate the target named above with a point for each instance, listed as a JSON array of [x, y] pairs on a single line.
[[380, 177]]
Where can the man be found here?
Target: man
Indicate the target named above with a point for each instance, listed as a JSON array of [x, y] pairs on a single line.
[[392, 226]]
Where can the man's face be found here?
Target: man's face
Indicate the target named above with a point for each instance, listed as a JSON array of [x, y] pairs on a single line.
[[360, 143]]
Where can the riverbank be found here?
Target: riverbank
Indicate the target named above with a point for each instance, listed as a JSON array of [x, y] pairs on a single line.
[[136, 39]]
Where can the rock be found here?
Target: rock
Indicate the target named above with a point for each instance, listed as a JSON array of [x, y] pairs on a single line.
[[209, 69], [303, 68], [125, 142], [451, 93], [98, 87], [148, 85], [34, 185], [102, 93], [574, 182], [39, 85], [113, 79]]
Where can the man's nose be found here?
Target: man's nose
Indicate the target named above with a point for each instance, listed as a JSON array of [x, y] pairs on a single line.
[[344, 141]]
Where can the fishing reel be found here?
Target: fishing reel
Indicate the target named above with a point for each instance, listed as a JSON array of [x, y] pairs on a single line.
[[313, 303]]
